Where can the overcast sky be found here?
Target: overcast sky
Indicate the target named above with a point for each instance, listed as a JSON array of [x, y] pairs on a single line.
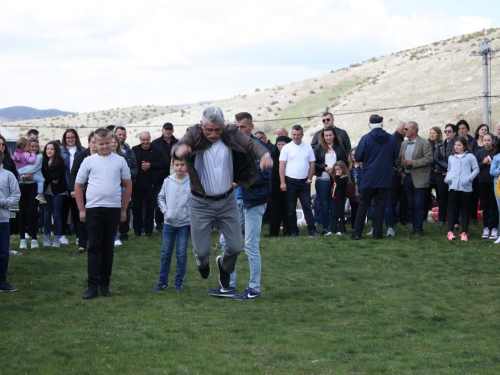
[[87, 56]]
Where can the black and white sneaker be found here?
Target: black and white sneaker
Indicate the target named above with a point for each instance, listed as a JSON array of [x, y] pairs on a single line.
[[6, 287], [204, 272], [224, 277], [221, 292], [247, 295]]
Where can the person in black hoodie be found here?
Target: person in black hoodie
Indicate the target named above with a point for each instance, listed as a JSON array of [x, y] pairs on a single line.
[[151, 162]]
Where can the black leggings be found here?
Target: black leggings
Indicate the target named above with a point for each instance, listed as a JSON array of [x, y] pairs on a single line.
[[459, 204], [28, 211]]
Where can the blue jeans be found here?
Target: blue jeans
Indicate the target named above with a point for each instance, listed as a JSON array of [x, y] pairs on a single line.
[[416, 202], [4, 250], [52, 208], [167, 249], [324, 193], [301, 190]]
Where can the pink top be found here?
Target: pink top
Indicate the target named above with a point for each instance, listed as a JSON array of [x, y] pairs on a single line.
[[23, 158]]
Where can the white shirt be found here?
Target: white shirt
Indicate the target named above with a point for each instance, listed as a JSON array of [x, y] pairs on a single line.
[[215, 168], [297, 159]]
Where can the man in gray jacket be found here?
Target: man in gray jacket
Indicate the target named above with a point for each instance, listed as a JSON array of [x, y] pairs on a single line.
[[216, 155], [414, 163]]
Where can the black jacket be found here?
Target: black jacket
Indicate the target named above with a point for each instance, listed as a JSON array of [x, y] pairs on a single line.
[[51, 173], [319, 153], [443, 152], [167, 151], [158, 162]]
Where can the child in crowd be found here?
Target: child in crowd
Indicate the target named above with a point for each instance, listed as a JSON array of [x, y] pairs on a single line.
[[341, 179], [173, 201], [484, 157], [462, 169], [355, 174], [103, 173], [22, 158], [9, 195]]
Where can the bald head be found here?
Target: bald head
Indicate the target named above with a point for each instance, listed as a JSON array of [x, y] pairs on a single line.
[[281, 132], [145, 139]]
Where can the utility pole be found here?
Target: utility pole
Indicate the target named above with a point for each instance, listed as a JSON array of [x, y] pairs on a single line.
[[486, 52]]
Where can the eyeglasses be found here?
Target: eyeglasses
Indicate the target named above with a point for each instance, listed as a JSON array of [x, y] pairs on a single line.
[[448, 131], [326, 120]]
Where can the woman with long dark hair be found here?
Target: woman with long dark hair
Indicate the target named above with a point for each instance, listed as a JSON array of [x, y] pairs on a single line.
[[328, 151], [70, 147], [441, 155], [435, 138], [8, 163], [55, 188], [481, 131]]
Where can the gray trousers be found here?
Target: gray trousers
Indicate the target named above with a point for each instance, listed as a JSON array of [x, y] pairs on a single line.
[[203, 214]]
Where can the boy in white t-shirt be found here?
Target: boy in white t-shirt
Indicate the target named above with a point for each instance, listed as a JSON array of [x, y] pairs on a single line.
[[103, 173]]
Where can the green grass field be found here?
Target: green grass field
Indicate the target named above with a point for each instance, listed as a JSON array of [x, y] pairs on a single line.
[[330, 305]]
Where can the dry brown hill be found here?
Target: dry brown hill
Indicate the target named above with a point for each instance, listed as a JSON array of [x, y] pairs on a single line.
[[443, 71]]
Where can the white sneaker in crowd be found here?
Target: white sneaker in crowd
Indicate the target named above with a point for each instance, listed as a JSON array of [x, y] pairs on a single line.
[[370, 233], [497, 241], [118, 242], [494, 234], [34, 244], [390, 232], [22, 244], [486, 233], [63, 240]]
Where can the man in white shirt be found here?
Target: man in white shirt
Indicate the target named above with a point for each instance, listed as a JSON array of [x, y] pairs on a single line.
[[297, 163]]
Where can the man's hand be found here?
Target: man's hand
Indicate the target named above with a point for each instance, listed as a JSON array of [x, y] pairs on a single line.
[[123, 216], [182, 150], [266, 162], [145, 166], [408, 163], [283, 187], [82, 216], [72, 194]]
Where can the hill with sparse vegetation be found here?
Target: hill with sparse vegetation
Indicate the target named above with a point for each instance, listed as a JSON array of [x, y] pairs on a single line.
[[432, 85]]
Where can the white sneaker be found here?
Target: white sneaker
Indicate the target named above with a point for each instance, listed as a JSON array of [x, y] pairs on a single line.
[[34, 244], [118, 242], [486, 233], [329, 234], [370, 233], [63, 240], [494, 234], [390, 232], [497, 241], [22, 244], [76, 242], [338, 234]]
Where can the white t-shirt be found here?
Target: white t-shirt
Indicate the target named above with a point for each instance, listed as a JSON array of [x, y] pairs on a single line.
[[104, 176], [297, 159], [215, 168]]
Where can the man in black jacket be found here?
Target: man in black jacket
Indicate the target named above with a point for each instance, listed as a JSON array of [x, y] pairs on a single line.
[[165, 142], [398, 193], [151, 161]]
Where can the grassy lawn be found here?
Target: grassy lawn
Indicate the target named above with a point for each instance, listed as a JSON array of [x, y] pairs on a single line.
[[329, 305]]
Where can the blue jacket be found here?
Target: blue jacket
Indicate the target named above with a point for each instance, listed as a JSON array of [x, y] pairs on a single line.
[[377, 150], [260, 191]]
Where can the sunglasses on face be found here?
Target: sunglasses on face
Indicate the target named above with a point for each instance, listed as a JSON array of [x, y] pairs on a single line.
[[448, 131], [326, 120]]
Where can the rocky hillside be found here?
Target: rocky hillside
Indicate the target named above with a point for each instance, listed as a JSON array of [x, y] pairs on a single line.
[[404, 85]]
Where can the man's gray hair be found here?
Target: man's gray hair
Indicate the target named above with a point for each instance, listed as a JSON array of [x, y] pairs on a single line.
[[401, 124], [414, 125], [298, 128], [214, 115]]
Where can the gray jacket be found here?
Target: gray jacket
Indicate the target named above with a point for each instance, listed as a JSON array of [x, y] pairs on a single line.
[[461, 172], [173, 199], [9, 193]]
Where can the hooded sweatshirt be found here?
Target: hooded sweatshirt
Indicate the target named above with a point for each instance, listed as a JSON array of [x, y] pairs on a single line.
[[377, 150], [174, 198], [461, 171]]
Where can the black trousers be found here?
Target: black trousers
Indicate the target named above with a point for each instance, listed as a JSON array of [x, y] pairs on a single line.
[[69, 205], [278, 215], [338, 221], [143, 193], [442, 197], [101, 225], [28, 211], [398, 195], [489, 203], [459, 204], [365, 200]]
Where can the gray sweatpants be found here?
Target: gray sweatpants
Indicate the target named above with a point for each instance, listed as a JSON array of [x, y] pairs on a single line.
[[204, 213]]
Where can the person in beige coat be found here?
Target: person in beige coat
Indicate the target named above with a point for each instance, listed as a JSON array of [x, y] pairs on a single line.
[[414, 162]]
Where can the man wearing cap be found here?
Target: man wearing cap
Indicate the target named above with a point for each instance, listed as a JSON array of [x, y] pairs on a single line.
[[165, 142], [378, 151], [414, 164]]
